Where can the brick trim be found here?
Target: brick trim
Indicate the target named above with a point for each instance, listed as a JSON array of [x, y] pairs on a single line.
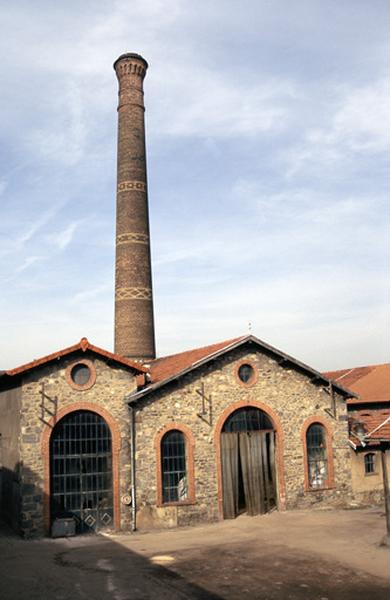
[[83, 345], [92, 378], [115, 447], [190, 446], [329, 452], [279, 449], [254, 377]]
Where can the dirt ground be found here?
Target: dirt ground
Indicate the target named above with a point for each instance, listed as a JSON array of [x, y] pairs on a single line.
[[299, 555]]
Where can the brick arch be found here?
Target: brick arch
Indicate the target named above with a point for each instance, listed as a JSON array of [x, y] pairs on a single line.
[[190, 446], [281, 487], [115, 448], [329, 451]]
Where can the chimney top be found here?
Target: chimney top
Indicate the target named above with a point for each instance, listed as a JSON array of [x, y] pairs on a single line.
[[130, 55]]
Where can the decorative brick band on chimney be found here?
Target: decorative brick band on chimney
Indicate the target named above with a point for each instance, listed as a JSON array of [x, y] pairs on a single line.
[[134, 323]]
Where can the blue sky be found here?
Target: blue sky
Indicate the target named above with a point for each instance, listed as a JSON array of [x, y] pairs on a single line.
[[268, 139]]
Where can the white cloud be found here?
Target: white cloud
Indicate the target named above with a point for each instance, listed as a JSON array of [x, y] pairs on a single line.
[[17, 244], [63, 138], [208, 103], [30, 260], [63, 238], [358, 126], [83, 298], [17, 270], [362, 124]]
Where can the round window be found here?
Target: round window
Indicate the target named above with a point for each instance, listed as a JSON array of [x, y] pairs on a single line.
[[246, 373], [80, 374]]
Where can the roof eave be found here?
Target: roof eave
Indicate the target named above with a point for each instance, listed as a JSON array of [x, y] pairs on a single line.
[[82, 346], [133, 398]]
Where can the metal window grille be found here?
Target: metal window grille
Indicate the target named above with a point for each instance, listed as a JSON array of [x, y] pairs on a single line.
[[173, 467], [317, 456], [369, 463], [247, 419], [81, 471]]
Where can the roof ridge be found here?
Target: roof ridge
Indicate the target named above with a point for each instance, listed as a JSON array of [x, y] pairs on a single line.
[[83, 345], [197, 348], [166, 369], [349, 370]]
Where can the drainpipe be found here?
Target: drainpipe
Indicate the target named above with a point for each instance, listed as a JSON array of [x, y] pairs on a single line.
[[333, 400], [386, 491], [133, 486]]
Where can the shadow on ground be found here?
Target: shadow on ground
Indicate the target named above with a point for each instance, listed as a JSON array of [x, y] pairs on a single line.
[[87, 567], [95, 567]]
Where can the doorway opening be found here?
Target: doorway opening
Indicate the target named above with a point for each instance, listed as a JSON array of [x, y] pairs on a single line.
[[248, 463], [81, 471]]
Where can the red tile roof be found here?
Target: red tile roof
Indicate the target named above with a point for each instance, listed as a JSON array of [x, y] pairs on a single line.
[[376, 424], [169, 366], [82, 345], [371, 383]]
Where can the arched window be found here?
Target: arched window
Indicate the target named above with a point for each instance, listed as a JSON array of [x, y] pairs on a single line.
[[369, 463], [174, 467], [247, 448], [81, 471], [317, 456], [248, 418]]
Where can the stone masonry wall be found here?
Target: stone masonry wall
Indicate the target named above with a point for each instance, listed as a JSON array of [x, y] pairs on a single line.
[[287, 392], [49, 387]]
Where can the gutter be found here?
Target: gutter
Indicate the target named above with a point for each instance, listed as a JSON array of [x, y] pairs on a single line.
[[358, 438], [132, 469]]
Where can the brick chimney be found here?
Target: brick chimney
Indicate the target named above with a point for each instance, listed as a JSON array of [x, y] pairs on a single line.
[[134, 324]]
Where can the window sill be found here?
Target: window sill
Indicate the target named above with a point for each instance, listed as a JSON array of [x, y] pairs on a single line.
[[321, 489], [188, 502], [370, 474]]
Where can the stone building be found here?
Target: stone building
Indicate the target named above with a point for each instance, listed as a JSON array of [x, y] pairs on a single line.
[[92, 439], [65, 439]]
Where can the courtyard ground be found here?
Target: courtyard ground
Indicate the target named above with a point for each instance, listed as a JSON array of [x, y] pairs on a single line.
[[297, 555]]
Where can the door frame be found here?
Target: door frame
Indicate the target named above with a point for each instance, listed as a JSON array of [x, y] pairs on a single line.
[[279, 450], [115, 449]]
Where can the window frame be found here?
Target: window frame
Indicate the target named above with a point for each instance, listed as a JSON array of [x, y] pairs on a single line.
[[255, 375], [92, 378], [329, 483], [373, 463], [189, 455]]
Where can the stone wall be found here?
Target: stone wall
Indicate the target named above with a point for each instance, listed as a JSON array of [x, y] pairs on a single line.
[[289, 396], [46, 392], [10, 400]]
